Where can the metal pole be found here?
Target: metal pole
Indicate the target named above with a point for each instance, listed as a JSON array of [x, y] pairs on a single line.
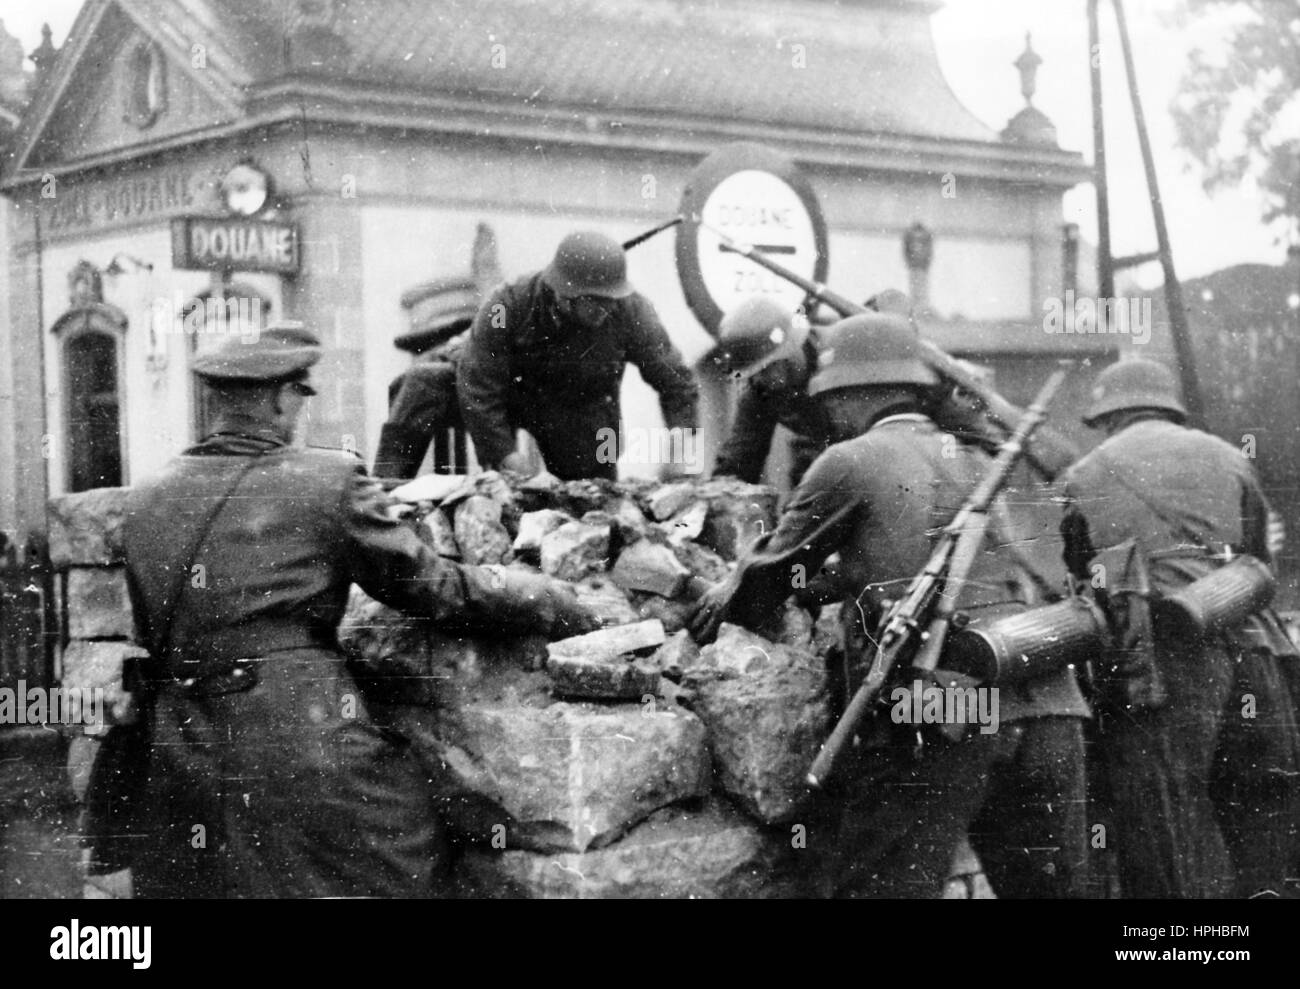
[[1173, 291], [1105, 273]]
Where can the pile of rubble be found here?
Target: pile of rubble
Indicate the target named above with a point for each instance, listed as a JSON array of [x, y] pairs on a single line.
[[624, 762]]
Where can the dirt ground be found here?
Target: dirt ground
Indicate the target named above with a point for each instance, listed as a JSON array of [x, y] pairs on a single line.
[[39, 856]]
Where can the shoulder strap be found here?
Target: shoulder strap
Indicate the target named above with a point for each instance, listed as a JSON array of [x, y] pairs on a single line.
[[182, 573]]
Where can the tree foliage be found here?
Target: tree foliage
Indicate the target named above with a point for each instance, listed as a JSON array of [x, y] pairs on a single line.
[[1238, 108]]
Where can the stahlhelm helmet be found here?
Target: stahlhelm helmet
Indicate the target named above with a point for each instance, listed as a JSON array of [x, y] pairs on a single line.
[[1134, 384], [757, 333], [588, 263], [871, 349]]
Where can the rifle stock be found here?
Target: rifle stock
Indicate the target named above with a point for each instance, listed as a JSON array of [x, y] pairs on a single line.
[[915, 623]]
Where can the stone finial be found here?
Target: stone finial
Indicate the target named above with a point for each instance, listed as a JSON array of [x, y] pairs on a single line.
[[1027, 64], [43, 57]]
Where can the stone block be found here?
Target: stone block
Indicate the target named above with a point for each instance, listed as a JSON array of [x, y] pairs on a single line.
[[534, 527], [480, 534], [610, 643], [678, 852], [99, 606], [575, 550], [646, 566], [601, 679], [85, 529], [765, 707]]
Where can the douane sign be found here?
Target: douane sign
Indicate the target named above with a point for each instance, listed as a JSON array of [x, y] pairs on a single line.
[[234, 244]]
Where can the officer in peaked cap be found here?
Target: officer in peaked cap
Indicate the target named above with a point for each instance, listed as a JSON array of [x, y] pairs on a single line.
[[878, 497], [240, 553], [1204, 797], [547, 354], [422, 399]]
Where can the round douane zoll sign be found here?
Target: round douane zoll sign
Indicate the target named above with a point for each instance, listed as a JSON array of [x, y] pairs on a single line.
[[756, 198]]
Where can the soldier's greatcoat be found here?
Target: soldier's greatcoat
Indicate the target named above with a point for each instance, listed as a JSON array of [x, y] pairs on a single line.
[[265, 774], [1208, 782]]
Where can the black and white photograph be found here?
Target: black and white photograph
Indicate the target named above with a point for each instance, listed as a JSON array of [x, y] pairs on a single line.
[[651, 450]]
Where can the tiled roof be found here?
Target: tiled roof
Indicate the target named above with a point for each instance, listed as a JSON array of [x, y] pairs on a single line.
[[864, 67]]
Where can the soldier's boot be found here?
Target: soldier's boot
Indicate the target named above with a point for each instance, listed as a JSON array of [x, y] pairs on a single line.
[[401, 450]]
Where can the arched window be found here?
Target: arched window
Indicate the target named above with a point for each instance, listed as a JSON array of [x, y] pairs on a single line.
[[90, 339]]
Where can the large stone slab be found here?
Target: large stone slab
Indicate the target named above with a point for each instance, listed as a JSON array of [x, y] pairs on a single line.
[[99, 606], [610, 643], [565, 777], [602, 679], [86, 528], [679, 853], [765, 707]]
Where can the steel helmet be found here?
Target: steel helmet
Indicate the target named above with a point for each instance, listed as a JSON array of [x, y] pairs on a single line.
[[588, 263], [759, 332], [871, 349], [1134, 384]]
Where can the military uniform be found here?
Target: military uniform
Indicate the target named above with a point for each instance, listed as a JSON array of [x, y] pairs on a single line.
[[526, 367], [1204, 797], [880, 500], [421, 401], [759, 411], [256, 770]]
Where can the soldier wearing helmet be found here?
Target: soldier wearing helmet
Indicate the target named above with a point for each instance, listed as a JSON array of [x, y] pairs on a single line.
[[878, 497], [547, 354], [774, 352], [1204, 799]]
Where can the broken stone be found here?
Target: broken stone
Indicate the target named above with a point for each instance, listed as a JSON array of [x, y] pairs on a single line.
[[710, 853], [567, 777], [82, 751], [479, 532], [85, 529], [586, 495], [675, 613], [629, 523], [534, 527], [826, 630], [434, 488], [599, 679], [669, 499], [436, 530], [607, 600], [738, 514], [644, 566], [702, 562], [99, 606], [678, 653], [609, 643], [575, 550], [765, 707], [94, 666], [686, 524]]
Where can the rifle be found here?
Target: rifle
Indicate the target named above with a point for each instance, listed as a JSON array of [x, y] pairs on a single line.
[[641, 238], [917, 624], [939, 360]]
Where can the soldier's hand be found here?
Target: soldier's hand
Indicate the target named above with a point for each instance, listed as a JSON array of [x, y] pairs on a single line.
[[709, 613], [556, 611]]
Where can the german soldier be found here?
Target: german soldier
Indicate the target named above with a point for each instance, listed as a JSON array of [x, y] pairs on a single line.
[[1197, 729], [261, 773], [422, 399], [879, 497], [547, 354]]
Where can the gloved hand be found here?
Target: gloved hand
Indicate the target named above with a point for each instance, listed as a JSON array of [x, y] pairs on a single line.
[[710, 612], [552, 604]]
